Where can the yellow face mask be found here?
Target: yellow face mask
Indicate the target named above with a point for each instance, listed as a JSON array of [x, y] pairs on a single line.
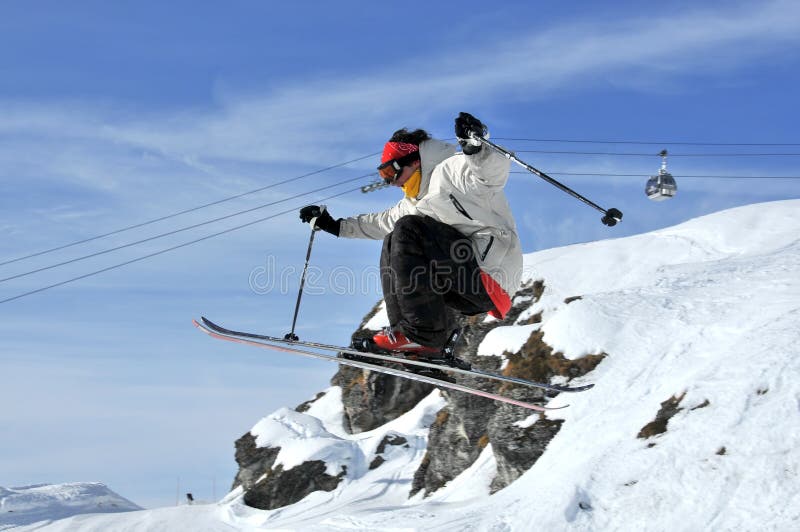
[[411, 187]]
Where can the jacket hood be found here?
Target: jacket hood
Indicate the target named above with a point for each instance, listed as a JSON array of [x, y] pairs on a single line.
[[431, 153]]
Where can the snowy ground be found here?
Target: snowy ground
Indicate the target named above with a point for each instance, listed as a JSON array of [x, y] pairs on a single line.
[[708, 310]]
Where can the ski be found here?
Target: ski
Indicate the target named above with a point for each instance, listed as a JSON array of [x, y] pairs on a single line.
[[388, 358], [372, 367]]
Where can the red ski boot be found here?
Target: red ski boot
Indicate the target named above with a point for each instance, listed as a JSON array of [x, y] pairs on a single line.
[[396, 341]]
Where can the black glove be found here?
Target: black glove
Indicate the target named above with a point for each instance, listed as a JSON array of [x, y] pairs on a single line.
[[324, 220], [466, 124]]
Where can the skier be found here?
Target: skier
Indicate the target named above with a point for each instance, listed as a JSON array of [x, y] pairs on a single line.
[[450, 245]]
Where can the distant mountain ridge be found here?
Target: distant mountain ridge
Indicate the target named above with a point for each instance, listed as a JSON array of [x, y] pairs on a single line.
[[51, 502]]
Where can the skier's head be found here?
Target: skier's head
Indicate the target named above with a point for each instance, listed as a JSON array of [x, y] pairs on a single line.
[[400, 158]]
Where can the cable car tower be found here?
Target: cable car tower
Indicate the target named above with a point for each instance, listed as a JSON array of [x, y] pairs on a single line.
[[662, 186]]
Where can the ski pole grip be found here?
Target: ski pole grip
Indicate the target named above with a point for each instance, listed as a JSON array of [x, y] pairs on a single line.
[[475, 139], [313, 222]]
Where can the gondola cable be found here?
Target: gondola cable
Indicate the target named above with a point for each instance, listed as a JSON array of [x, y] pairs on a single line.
[[180, 230], [186, 211], [166, 250]]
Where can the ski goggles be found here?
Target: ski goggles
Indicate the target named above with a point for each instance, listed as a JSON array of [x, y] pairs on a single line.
[[390, 170]]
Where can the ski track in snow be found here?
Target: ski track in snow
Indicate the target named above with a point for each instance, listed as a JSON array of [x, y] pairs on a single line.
[[708, 310]]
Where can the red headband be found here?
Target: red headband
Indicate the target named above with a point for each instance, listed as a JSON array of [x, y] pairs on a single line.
[[395, 150]]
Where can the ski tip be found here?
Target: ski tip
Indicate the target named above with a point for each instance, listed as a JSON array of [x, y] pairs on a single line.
[[200, 326]]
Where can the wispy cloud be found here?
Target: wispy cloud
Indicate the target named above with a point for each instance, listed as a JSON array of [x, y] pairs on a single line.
[[583, 55], [330, 118], [119, 152]]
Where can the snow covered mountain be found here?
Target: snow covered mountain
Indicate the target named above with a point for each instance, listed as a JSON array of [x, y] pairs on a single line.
[[694, 422], [51, 502]]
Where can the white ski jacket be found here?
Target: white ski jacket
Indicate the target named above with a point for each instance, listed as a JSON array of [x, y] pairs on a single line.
[[465, 192]]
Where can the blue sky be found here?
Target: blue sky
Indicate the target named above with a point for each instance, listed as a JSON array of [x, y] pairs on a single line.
[[112, 114]]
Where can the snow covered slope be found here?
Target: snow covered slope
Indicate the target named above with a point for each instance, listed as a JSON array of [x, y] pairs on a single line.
[[50, 502], [694, 422]]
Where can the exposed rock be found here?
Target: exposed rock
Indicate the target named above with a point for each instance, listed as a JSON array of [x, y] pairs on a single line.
[[267, 488], [303, 407], [279, 488], [469, 423], [253, 461], [515, 448], [373, 399], [376, 462], [659, 425], [537, 361], [455, 441], [388, 440]]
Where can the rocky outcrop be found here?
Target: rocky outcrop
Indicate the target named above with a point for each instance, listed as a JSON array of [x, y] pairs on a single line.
[[267, 487], [468, 423], [516, 449], [463, 428], [280, 488], [254, 462], [456, 439], [373, 399]]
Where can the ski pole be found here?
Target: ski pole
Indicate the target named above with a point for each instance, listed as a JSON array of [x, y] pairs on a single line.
[[611, 216], [291, 335]]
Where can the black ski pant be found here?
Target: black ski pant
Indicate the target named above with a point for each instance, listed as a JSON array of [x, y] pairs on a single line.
[[429, 273]]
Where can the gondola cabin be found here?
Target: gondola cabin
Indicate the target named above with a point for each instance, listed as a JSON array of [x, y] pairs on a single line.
[[662, 186]]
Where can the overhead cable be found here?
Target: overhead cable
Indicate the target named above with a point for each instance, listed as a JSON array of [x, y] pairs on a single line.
[[660, 143], [166, 250], [655, 154], [600, 174], [186, 211], [182, 229]]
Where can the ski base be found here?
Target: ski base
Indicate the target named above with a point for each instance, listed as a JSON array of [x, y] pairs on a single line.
[[398, 358], [266, 344]]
